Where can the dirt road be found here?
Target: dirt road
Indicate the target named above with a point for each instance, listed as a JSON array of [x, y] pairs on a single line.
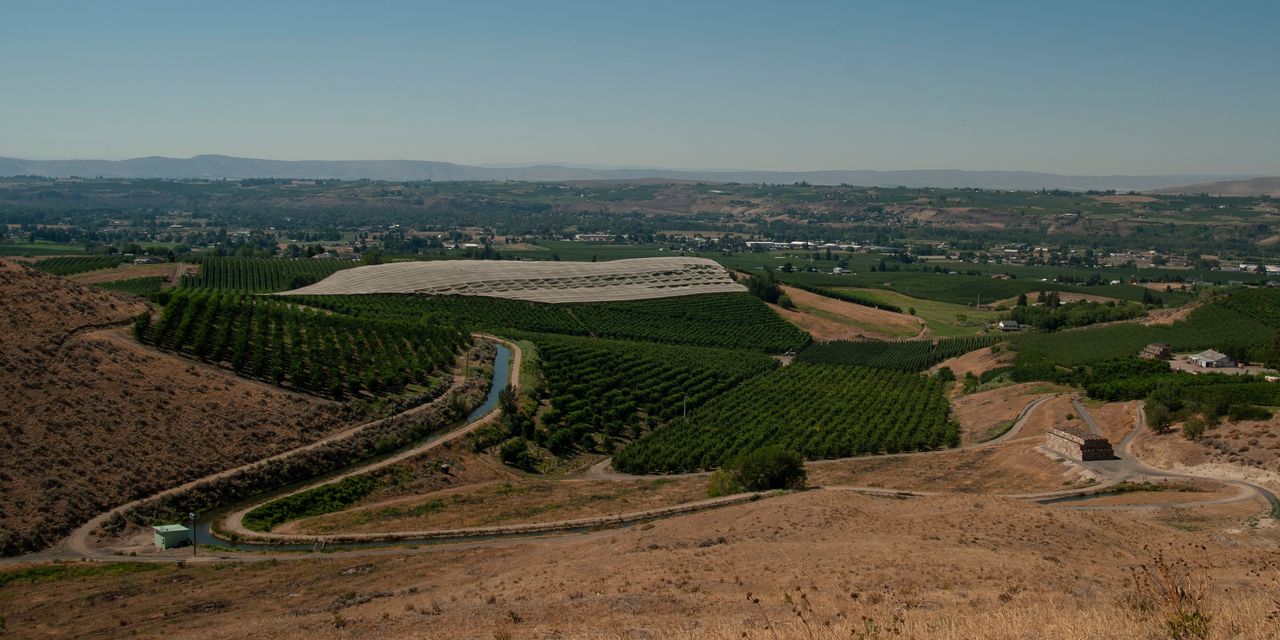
[[79, 544]]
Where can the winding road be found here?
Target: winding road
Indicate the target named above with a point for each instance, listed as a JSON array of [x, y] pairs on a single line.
[[79, 542], [1128, 467]]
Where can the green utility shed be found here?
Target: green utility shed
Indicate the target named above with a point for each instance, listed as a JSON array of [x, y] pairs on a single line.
[[168, 536]]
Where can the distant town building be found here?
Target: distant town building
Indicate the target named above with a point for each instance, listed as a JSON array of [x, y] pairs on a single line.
[[840, 271], [1008, 325], [1157, 351], [593, 237], [1212, 360], [1078, 443]]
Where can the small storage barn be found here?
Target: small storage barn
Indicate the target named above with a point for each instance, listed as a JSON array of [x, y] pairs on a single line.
[[1212, 360], [168, 536], [1078, 444]]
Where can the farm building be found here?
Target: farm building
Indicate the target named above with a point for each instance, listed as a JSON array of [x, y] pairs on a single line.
[[1008, 325], [1078, 443], [168, 536], [1212, 360], [1157, 351]]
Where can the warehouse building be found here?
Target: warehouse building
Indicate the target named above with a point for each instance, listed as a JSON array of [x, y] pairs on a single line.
[[1212, 360]]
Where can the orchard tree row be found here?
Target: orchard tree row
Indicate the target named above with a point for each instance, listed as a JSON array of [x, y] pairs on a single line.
[[303, 348], [261, 275], [623, 389], [907, 355], [723, 320], [820, 411]]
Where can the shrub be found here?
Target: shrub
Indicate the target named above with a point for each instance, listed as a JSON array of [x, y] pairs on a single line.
[[1193, 428], [1177, 593], [722, 483], [769, 468], [515, 452]]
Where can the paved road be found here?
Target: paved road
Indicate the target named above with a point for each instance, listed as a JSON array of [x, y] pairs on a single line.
[[1127, 467], [1088, 419]]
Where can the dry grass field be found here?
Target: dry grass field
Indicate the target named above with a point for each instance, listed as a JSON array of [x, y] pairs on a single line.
[[812, 565], [92, 419]]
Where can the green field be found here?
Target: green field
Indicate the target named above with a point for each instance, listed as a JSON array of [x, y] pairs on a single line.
[[944, 319], [1244, 319], [69, 265], [137, 286], [40, 249]]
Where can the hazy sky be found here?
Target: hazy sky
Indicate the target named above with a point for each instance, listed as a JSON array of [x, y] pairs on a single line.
[[1123, 86]]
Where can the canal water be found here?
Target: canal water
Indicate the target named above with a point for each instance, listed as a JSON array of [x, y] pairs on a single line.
[[501, 378]]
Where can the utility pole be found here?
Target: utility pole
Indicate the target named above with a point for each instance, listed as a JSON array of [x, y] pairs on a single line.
[[686, 405], [192, 515]]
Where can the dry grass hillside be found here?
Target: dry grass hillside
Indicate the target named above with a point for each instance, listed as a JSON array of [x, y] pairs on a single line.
[[92, 419], [816, 565]]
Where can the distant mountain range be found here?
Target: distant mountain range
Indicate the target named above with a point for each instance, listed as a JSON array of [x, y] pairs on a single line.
[[1242, 188], [217, 167]]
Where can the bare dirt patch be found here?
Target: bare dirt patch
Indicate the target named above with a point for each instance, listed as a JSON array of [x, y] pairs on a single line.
[[1008, 469], [976, 362], [131, 271], [980, 413], [1116, 419], [1124, 199], [1250, 444], [1170, 316], [830, 319], [516, 500]]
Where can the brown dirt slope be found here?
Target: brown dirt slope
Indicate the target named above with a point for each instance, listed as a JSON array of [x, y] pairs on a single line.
[[830, 319], [855, 566], [92, 419]]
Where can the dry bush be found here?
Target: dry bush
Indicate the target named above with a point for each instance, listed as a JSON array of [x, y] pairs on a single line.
[[1176, 594]]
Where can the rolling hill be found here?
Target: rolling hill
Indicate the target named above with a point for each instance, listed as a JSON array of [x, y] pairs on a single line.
[[220, 166], [1238, 188], [92, 419]]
